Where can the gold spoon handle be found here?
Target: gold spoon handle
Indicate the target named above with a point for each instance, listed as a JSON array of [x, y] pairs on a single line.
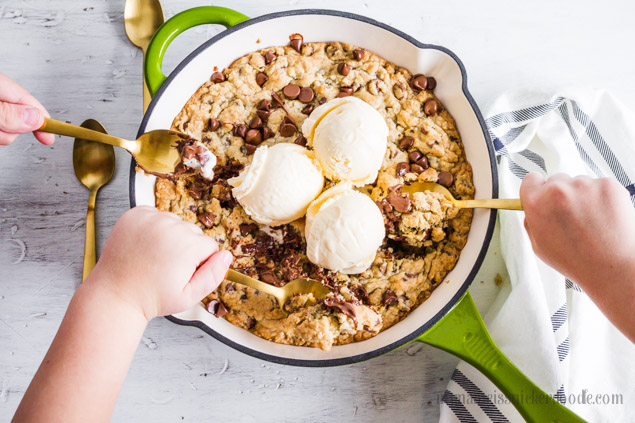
[[90, 256], [146, 96], [237, 277], [62, 128], [493, 203]]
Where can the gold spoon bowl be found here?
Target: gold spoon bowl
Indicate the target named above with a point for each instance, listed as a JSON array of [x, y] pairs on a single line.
[[491, 203], [282, 294], [154, 151]]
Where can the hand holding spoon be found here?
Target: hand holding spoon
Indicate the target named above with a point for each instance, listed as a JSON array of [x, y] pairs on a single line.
[[154, 151]]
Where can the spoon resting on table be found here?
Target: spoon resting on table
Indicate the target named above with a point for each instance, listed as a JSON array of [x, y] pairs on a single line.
[[154, 151], [94, 164], [142, 18]]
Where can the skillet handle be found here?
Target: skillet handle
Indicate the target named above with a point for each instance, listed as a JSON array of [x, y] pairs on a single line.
[[173, 27], [462, 333]]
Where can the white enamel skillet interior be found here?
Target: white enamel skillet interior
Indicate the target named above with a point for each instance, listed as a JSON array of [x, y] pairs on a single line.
[[395, 46]]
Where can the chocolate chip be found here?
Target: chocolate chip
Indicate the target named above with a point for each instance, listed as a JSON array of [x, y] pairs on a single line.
[[373, 86], [269, 277], [212, 306], [264, 105], [296, 42], [343, 69], [398, 90], [341, 306], [401, 204], [212, 124], [406, 143], [423, 162], [201, 155], [361, 293], [291, 91], [261, 78], [416, 168], [300, 141], [287, 130], [250, 149], [387, 207], [256, 123], [322, 100], [250, 322], [217, 308], [446, 179], [247, 228], [229, 287], [188, 152], [431, 107], [308, 109], [402, 169], [306, 95], [180, 169], [345, 92], [266, 133], [194, 208], [358, 54], [414, 156], [253, 136], [206, 219], [269, 57], [197, 190], [419, 82], [389, 298], [240, 130], [264, 114], [432, 83], [277, 101], [347, 89], [218, 77]]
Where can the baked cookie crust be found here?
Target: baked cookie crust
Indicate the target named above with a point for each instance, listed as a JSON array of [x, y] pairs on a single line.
[[424, 233]]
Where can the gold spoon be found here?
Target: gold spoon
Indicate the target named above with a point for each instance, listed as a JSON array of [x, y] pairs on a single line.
[[154, 151], [94, 164], [492, 203], [282, 294], [142, 18]]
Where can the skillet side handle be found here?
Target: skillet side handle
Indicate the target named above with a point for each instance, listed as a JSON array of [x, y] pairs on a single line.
[[173, 27], [462, 333]]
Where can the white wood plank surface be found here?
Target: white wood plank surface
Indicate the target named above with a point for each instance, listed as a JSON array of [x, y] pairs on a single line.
[[73, 55]]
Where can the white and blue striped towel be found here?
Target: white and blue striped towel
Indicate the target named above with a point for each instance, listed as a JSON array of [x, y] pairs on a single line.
[[542, 321]]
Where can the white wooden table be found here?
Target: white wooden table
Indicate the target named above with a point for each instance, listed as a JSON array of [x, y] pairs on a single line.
[[74, 56]]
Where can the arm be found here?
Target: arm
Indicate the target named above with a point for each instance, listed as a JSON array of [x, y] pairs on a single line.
[[585, 229], [153, 264], [20, 113]]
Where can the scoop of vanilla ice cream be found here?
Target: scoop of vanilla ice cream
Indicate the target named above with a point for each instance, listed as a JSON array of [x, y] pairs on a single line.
[[344, 228], [349, 138], [279, 184]]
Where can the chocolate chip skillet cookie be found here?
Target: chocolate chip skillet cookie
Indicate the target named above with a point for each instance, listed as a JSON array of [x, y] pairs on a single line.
[[263, 99]]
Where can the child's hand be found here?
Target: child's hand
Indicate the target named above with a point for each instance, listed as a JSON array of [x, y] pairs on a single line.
[[159, 263], [584, 228], [20, 113], [581, 225]]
